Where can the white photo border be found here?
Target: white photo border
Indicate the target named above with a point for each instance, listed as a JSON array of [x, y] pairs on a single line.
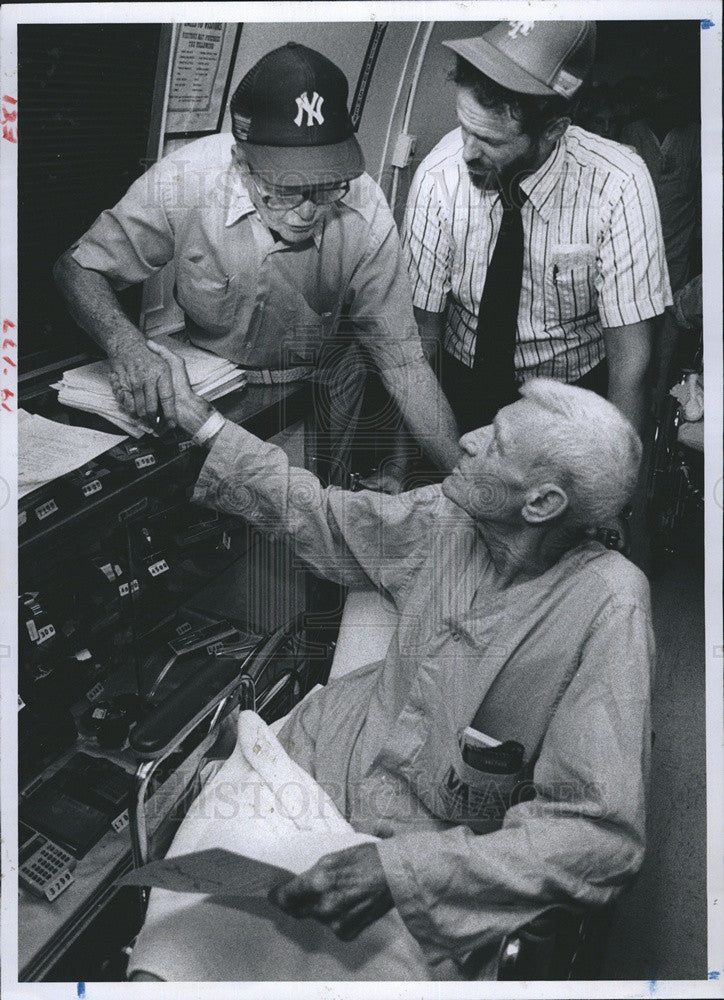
[[709, 13]]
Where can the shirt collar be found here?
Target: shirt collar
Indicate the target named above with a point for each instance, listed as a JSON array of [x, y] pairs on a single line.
[[539, 186], [240, 205]]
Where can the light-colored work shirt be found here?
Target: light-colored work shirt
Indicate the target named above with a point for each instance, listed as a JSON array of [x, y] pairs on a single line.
[[593, 251], [248, 297], [560, 663]]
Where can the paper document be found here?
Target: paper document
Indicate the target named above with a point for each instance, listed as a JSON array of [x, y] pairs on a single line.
[[88, 387], [213, 872], [47, 449]]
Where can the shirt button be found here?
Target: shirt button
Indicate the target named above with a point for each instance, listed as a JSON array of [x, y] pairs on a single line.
[[456, 636]]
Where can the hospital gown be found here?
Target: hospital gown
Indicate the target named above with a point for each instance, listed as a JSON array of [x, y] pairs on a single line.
[[560, 663]]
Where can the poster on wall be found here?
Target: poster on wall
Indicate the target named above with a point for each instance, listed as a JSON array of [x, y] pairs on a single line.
[[200, 76]]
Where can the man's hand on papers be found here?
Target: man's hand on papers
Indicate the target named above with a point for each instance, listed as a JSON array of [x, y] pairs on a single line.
[[346, 890], [142, 383], [191, 410]]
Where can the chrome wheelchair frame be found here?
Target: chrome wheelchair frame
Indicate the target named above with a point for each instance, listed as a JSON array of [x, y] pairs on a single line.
[[268, 679]]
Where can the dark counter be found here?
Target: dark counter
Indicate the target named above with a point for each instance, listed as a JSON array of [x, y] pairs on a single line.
[[50, 515]]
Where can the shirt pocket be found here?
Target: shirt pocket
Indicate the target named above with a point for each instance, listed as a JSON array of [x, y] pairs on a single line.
[[207, 294], [479, 799], [570, 281]]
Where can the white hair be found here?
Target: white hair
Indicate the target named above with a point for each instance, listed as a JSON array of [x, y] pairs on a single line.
[[591, 448]]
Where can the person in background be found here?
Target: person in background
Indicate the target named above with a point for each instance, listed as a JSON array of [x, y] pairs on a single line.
[[681, 339], [642, 122], [596, 112], [278, 237], [534, 247], [665, 131]]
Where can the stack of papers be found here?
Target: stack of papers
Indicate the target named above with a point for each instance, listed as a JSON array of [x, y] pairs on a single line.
[[88, 388], [47, 449]]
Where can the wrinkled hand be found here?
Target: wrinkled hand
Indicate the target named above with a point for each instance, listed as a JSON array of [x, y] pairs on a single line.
[[141, 382], [346, 890], [191, 410]]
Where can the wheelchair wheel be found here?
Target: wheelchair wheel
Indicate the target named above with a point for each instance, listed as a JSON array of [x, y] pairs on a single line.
[[671, 491], [665, 488]]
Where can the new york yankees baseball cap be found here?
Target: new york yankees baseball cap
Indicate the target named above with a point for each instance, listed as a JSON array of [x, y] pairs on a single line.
[[549, 58], [290, 113]]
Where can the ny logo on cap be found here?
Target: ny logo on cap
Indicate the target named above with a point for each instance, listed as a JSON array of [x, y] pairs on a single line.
[[520, 28], [313, 109]]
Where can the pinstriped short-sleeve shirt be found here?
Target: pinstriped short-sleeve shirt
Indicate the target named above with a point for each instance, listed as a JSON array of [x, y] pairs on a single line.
[[593, 251]]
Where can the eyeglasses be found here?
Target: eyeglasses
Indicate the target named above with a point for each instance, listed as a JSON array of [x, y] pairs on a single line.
[[283, 200]]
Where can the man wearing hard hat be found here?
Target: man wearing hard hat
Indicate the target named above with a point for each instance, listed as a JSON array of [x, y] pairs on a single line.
[[534, 247]]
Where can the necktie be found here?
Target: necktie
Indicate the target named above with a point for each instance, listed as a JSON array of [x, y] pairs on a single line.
[[498, 313]]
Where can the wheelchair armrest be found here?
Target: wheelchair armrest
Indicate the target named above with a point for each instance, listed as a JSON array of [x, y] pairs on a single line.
[[264, 672], [153, 736], [174, 718], [282, 667], [270, 646]]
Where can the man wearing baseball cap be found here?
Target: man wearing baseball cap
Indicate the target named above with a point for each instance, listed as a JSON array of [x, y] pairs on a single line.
[[277, 235], [534, 247]]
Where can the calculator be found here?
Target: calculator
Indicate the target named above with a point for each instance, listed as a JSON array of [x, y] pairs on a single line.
[[45, 868]]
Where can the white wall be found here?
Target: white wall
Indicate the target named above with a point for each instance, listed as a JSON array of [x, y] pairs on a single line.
[[433, 108]]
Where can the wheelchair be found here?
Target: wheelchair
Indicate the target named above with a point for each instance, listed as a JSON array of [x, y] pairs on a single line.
[[674, 490], [193, 731]]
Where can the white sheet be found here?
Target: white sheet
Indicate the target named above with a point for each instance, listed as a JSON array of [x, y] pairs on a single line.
[[262, 804], [47, 449]]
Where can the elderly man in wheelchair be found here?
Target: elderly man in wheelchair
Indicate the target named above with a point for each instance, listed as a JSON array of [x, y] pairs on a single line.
[[491, 767]]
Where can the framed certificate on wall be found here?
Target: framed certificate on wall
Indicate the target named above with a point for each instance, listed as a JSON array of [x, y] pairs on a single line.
[[203, 60]]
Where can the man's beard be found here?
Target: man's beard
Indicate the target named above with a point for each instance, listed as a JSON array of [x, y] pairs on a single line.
[[500, 180]]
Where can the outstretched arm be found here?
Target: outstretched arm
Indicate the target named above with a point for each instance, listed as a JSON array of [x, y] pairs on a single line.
[[426, 412], [418, 393], [124, 246], [628, 349], [354, 538]]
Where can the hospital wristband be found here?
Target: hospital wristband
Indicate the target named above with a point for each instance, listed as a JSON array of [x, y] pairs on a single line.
[[209, 429]]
